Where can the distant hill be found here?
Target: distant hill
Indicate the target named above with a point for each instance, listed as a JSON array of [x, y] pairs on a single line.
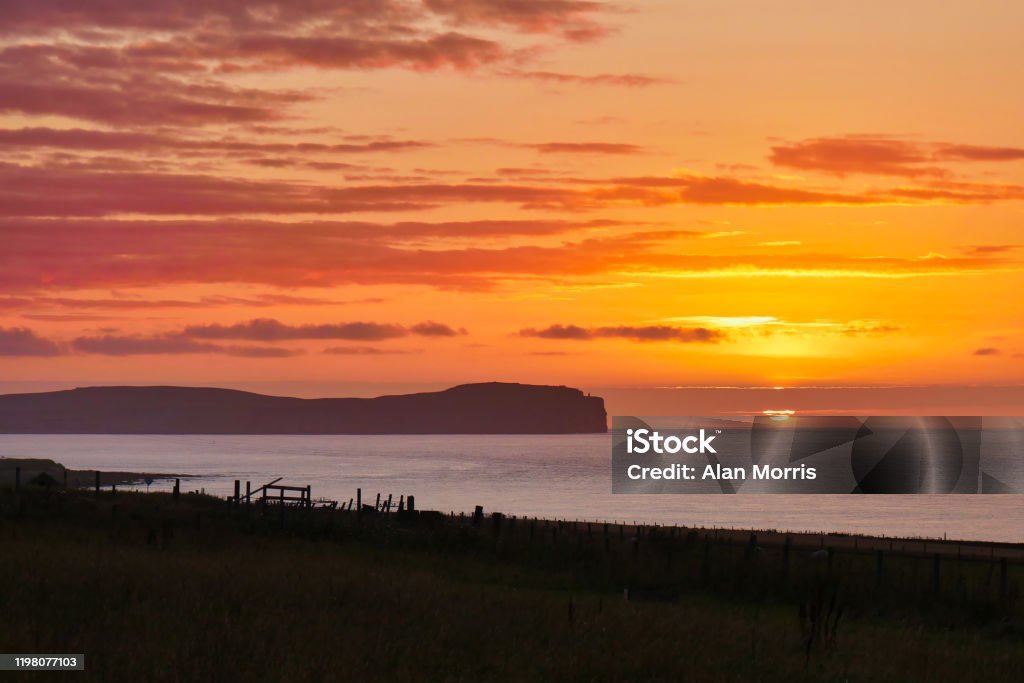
[[488, 408]]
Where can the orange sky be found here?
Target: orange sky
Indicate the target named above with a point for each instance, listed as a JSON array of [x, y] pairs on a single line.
[[358, 196]]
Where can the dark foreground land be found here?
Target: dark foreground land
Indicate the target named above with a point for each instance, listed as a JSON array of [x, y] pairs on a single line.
[[196, 589]]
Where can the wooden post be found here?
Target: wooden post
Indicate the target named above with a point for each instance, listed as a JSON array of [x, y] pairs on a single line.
[[238, 492], [97, 482], [388, 508], [248, 492], [478, 514], [177, 489], [410, 504], [309, 495], [376, 506]]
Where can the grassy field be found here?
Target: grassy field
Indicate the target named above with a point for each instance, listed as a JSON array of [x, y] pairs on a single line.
[[155, 590]]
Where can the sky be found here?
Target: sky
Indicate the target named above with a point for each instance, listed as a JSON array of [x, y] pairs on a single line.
[[760, 204]]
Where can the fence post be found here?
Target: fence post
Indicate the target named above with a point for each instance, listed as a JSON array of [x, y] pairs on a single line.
[[410, 503], [97, 482], [177, 489], [248, 493], [359, 501], [238, 492]]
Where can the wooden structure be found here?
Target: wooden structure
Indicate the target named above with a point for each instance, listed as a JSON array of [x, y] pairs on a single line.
[[280, 495]]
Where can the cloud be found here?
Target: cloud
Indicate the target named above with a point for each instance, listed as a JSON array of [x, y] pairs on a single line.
[[883, 155], [980, 153], [54, 191], [64, 318], [869, 328], [100, 85], [987, 351], [57, 192], [270, 330], [148, 143], [364, 351], [434, 329], [625, 79], [45, 254], [644, 333], [585, 148], [196, 339], [21, 341], [170, 343], [558, 332], [766, 325], [855, 154], [572, 19], [452, 50], [142, 63], [266, 329], [986, 249], [131, 303]]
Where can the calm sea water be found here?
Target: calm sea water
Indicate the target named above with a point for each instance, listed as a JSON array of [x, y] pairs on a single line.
[[545, 476]]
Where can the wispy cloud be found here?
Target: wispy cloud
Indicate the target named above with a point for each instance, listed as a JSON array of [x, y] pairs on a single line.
[[641, 333], [267, 329], [884, 155]]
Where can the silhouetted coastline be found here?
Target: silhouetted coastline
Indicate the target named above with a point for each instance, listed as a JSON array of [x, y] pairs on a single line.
[[485, 408]]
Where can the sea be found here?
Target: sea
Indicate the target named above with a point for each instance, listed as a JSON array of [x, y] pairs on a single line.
[[546, 476]]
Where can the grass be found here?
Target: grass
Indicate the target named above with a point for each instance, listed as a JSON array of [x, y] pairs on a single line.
[[155, 591]]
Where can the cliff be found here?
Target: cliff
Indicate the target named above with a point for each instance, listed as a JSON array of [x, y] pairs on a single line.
[[489, 408]]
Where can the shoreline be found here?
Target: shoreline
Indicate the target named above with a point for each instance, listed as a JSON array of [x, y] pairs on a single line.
[[76, 479]]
